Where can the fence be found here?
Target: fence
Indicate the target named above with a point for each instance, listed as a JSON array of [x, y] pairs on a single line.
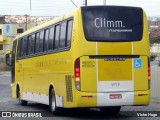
[[155, 82]]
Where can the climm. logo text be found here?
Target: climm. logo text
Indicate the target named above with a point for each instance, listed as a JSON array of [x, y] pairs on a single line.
[[102, 22]]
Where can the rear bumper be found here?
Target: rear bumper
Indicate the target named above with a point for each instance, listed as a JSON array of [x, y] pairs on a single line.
[[87, 99]]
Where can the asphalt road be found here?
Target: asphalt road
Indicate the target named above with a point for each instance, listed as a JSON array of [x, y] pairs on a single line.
[[9, 104]]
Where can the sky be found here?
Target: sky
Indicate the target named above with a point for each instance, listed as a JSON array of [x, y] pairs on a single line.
[[60, 7]]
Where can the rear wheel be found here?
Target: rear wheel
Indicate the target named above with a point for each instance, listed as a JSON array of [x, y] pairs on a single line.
[[21, 102], [52, 103], [110, 110]]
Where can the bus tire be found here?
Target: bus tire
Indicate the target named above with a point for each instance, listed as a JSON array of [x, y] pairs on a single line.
[[110, 109], [21, 102], [52, 103]]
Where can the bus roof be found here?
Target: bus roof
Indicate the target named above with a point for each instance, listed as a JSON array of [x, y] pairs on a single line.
[[58, 19]]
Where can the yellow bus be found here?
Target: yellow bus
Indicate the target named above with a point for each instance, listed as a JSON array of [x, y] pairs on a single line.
[[96, 56]]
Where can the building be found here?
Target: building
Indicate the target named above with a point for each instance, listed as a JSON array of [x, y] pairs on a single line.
[[154, 33]]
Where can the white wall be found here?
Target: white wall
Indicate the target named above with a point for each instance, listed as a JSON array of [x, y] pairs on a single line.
[[155, 82], [6, 47]]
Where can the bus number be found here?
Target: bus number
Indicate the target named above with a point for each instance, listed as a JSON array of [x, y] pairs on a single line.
[[115, 84]]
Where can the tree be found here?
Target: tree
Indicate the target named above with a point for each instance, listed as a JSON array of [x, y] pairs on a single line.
[[153, 40]]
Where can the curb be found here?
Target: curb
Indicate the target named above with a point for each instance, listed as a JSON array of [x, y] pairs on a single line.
[[4, 73]]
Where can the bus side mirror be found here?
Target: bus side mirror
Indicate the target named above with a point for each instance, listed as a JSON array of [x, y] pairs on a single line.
[[9, 59]]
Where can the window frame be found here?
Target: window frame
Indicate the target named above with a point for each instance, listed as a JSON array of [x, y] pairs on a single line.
[[44, 46], [29, 37], [0, 31], [65, 36], [37, 42], [58, 36], [41, 50], [34, 39], [1, 47], [19, 54], [51, 44], [14, 48], [22, 50], [20, 29], [68, 46]]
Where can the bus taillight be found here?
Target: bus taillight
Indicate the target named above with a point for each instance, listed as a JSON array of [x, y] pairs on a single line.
[[149, 74], [77, 73]]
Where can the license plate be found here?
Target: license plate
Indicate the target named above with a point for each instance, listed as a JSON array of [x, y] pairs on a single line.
[[115, 96]]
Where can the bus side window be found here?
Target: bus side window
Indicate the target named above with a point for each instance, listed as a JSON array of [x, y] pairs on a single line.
[[24, 47], [63, 34], [14, 50], [19, 48], [29, 44], [41, 40], [14, 47], [57, 33], [25, 44], [37, 43], [33, 44], [46, 40], [31, 47], [51, 38], [69, 32]]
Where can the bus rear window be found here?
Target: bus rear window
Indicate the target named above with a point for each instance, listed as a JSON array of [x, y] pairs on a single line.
[[112, 23]]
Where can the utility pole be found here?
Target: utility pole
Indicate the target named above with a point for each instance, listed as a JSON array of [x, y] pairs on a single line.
[[26, 21], [30, 5], [85, 2], [104, 2]]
